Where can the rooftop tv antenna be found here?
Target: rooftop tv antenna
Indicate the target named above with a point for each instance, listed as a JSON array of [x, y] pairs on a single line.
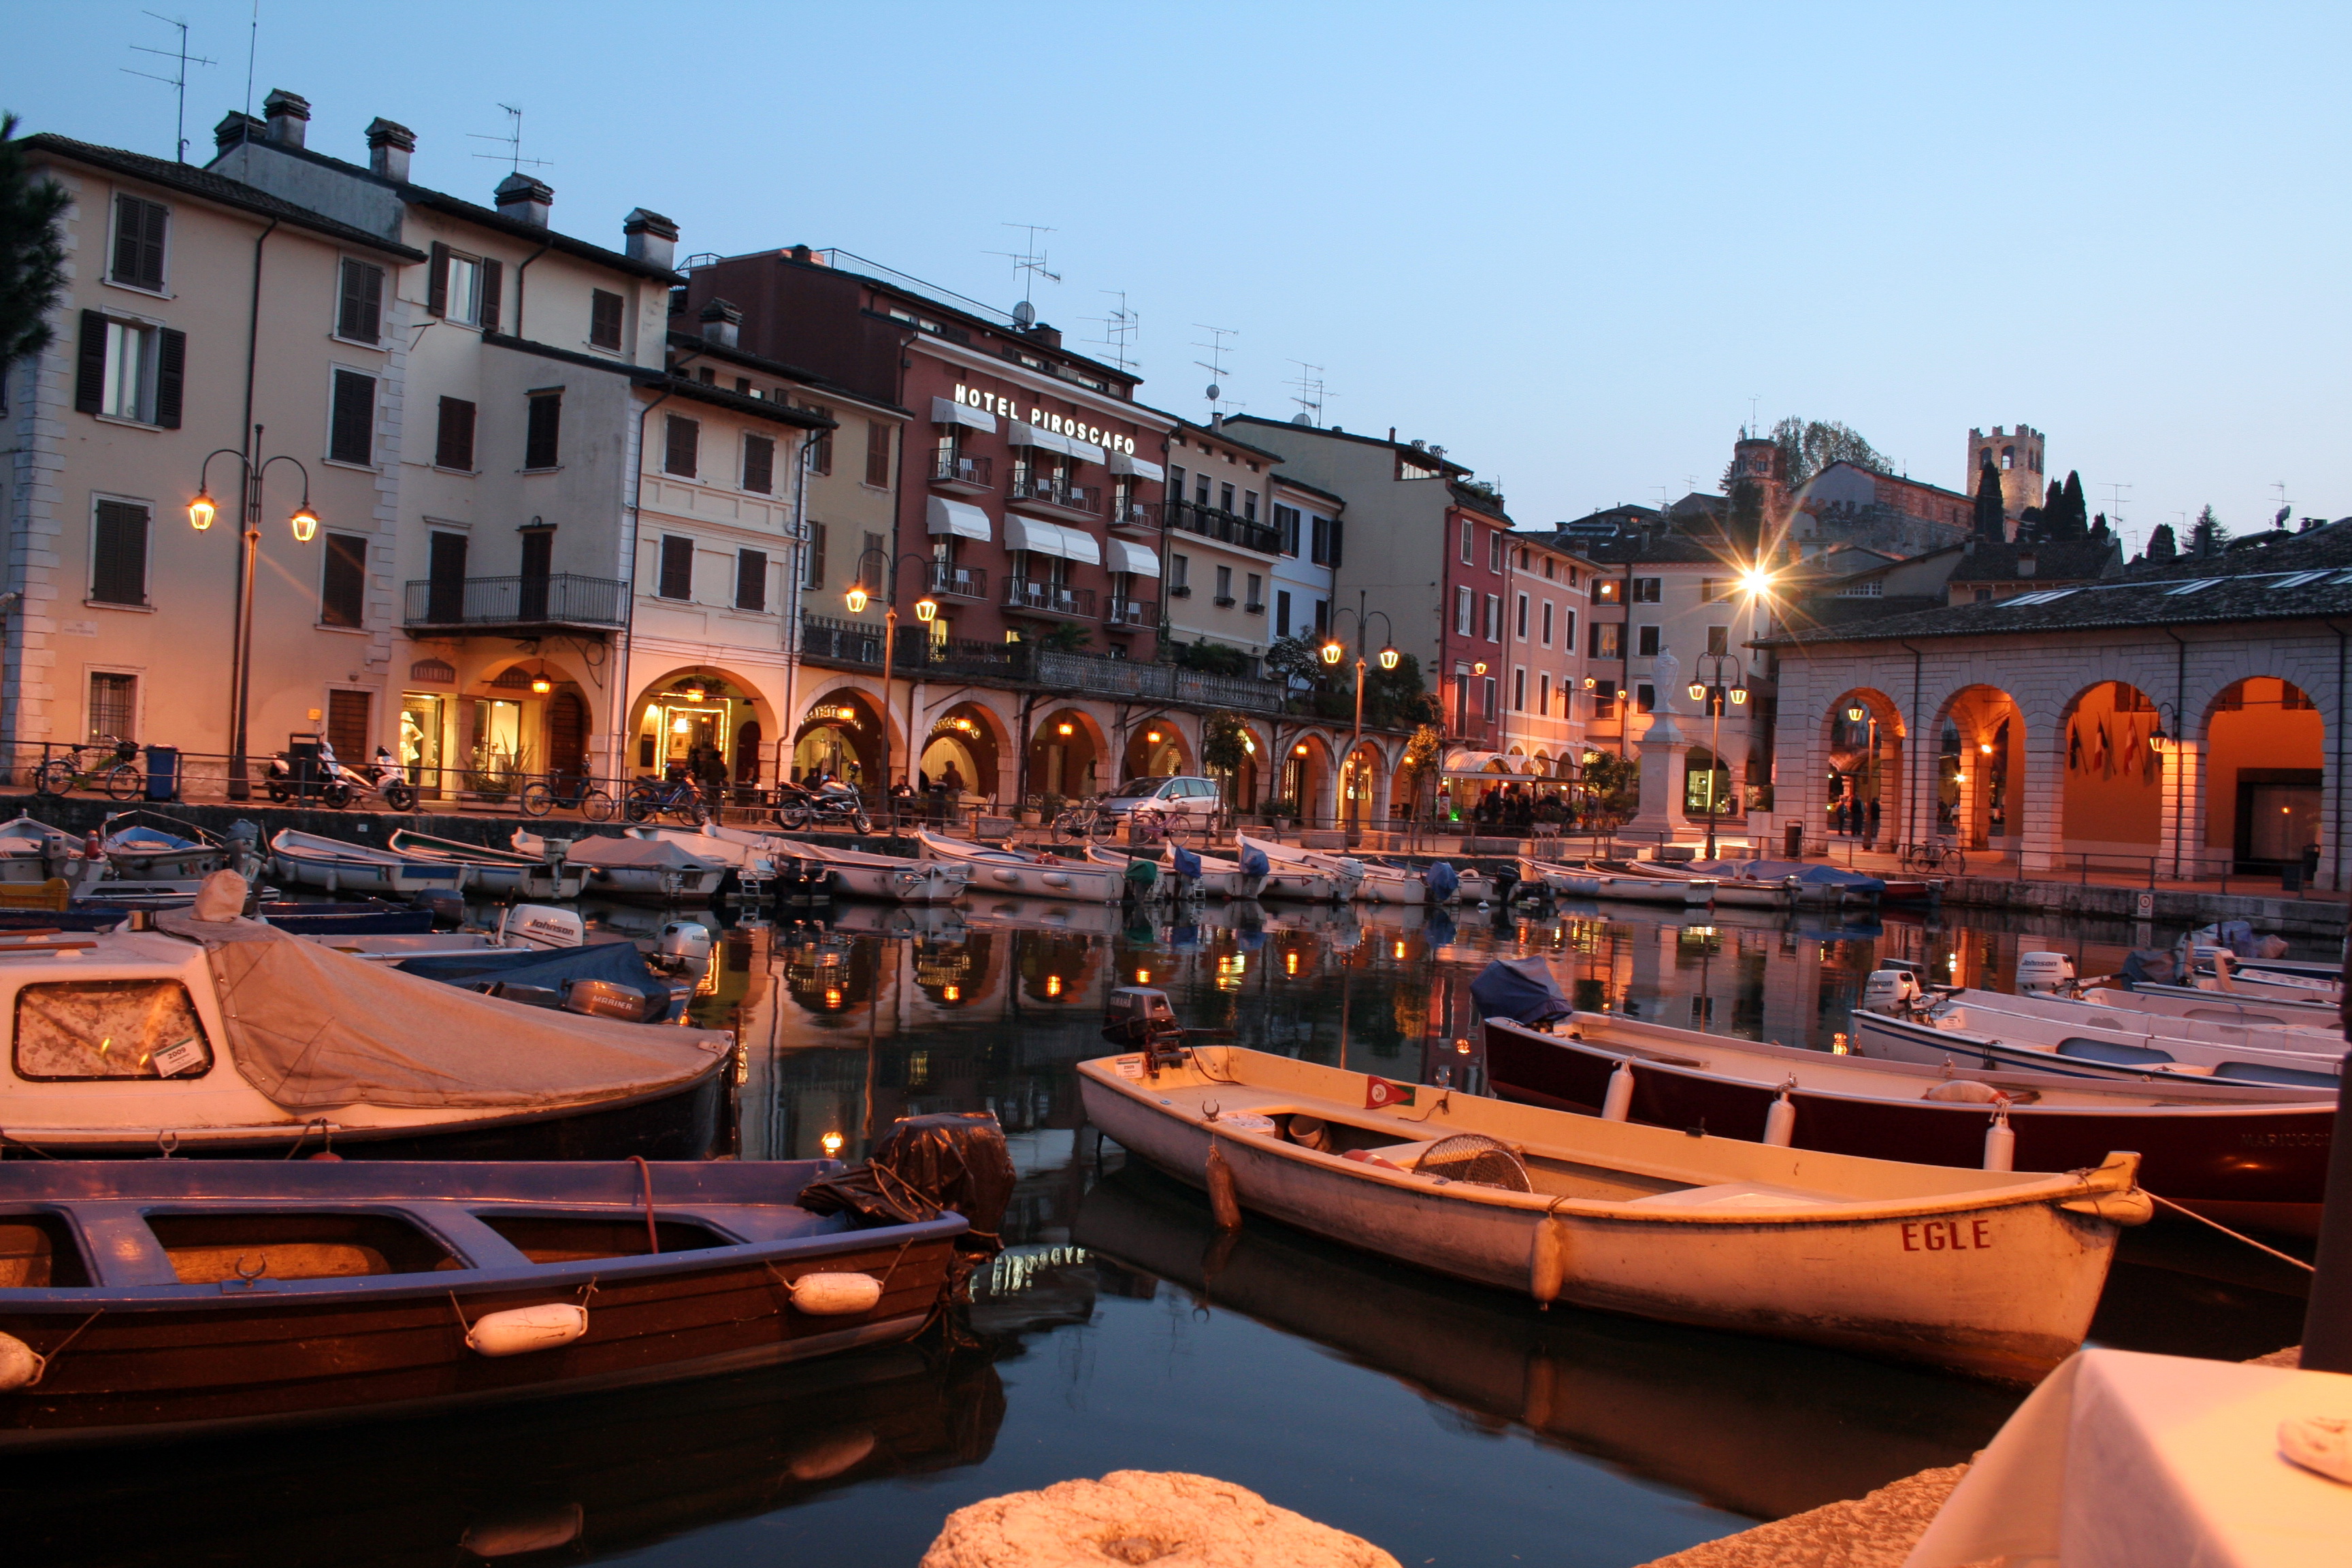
[[1215, 364], [2115, 506], [2286, 509], [1309, 393], [1028, 265], [512, 142], [179, 83], [1120, 327]]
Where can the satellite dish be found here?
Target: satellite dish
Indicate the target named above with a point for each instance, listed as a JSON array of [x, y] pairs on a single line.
[[1301, 419], [1215, 392], [2283, 513], [1024, 315]]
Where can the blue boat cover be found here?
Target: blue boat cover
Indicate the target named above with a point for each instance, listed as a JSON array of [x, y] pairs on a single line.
[[1443, 883], [1520, 989], [135, 838], [1811, 872], [554, 968], [1188, 865], [1254, 861]]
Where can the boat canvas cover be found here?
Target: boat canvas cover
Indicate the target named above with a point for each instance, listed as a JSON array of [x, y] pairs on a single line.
[[1520, 989], [149, 839], [618, 962], [1804, 871], [648, 854], [312, 1028]]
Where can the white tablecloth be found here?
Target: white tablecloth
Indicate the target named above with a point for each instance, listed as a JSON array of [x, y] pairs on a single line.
[[2123, 1460]]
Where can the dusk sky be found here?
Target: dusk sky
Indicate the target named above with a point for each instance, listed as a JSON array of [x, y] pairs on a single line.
[[1574, 245]]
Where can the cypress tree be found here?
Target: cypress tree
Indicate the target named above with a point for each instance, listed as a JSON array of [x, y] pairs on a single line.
[[2070, 498], [1991, 519], [2160, 546], [2206, 535], [32, 254]]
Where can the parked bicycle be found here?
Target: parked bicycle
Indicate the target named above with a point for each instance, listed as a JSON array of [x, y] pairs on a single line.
[[571, 793], [107, 768], [1150, 824], [1942, 855], [672, 795]]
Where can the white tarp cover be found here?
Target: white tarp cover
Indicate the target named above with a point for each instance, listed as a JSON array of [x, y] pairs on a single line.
[[956, 518], [312, 1028], [947, 411], [1140, 559], [657, 855]]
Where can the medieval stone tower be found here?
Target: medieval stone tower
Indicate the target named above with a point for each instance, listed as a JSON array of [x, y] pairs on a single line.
[[1759, 458], [2016, 456]]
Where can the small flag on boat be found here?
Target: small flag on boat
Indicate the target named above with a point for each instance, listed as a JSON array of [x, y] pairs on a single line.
[[1381, 1093]]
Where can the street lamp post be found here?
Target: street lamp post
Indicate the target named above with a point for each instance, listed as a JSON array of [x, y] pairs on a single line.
[[926, 607], [1333, 652], [305, 523], [1869, 721], [1713, 691]]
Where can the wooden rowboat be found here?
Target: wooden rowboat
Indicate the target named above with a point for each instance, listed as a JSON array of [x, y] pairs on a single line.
[[496, 873], [1037, 874], [161, 1299], [307, 860], [1990, 1272], [1581, 882]]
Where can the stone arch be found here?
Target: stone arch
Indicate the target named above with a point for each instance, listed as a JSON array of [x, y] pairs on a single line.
[[521, 713], [1862, 736], [1975, 776], [2262, 752], [844, 731], [1247, 787], [712, 704], [2112, 778], [1156, 748], [973, 737], [1360, 796], [1307, 781], [1068, 754]]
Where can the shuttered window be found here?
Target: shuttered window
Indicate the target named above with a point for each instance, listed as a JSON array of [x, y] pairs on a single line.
[[816, 563], [603, 318], [351, 428], [877, 453], [758, 464], [138, 228], [118, 555], [820, 442], [750, 579], [342, 582], [453, 449], [361, 315], [130, 371], [677, 567], [683, 450], [543, 437], [348, 730]]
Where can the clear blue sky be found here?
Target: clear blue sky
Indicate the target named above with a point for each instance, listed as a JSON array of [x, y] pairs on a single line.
[[1567, 242]]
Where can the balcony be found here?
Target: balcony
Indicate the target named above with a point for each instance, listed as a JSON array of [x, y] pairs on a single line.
[[1142, 613], [1049, 599], [841, 642], [1215, 523], [520, 607], [1135, 514], [1074, 503], [964, 581], [1253, 609], [962, 476]]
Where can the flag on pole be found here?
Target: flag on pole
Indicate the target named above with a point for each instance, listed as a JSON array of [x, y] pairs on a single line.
[[1380, 1093]]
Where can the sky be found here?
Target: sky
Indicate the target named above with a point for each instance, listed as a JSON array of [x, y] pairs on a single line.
[[1577, 245]]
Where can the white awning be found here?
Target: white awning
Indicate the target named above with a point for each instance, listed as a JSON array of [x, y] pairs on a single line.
[[1475, 762], [1080, 546], [1121, 463], [1140, 559], [947, 411], [1022, 435], [1042, 538], [956, 518]]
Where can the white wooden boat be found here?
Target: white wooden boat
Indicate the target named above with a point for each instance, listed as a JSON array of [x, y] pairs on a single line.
[[2074, 1010], [1578, 882], [307, 860], [1470, 886], [140, 850], [1990, 1272], [861, 874], [1355, 880], [1975, 1035], [1736, 892], [648, 868], [33, 851], [498, 874], [1284, 882], [1219, 878], [1034, 874], [2213, 1007]]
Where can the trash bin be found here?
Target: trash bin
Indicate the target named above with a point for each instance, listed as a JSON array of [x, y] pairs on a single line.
[[1793, 845], [162, 772], [2291, 879]]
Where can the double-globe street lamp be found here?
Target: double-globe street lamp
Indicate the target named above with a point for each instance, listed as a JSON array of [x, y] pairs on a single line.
[[1333, 651], [926, 608], [201, 514], [1713, 691]]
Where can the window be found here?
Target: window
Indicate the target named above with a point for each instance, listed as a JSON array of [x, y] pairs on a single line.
[[1543, 692], [1319, 548], [1225, 497], [677, 567], [1522, 629], [1180, 574], [139, 229], [1645, 641], [455, 446], [359, 315], [1645, 590], [118, 555], [1646, 697], [877, 453], [1282, 612], [1493, 550], [350, 419], [1494, 625], [1608, 640], [1199, 489], [603, 318], [682, 445], [1175, 481], [815, 575], [1547, 623], [1256, 601], [542, 440], [342, 582], [1567, 629], [1718, 639], [743, 385], [1604, 698], [444, 572], [1225, 585], [113, 705], [88, 1030], [1249, 505], [128, 370], [1489, 706], [1605, 590], [1519, 690], [818, 453], [1286, 529], [1469, 541], [759, 463], [1548, 564], [462, 290], [751, 580], [1464, 603]]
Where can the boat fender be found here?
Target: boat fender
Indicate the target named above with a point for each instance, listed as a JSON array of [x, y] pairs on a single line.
[[522, 1330], [20, 1364], [527, 1530], [1547, 1267], [1618, 1104], [2001, 1143], [1780, 1121], [836, 1295], [1055, 880], [1964, 1091], [1225, 1201]]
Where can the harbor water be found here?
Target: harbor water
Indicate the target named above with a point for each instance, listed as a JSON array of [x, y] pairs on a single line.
[[1449, 1423]]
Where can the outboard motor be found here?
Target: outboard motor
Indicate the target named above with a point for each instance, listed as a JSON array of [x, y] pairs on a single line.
[[2044, 973], [1890, 991], [541, 925], [683, 945]]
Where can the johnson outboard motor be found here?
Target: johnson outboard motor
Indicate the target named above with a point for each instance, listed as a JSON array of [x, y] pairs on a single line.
[[2044, 973], [1893, 992]]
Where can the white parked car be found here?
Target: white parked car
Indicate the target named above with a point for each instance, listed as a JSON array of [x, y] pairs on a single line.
[[1195, 800]]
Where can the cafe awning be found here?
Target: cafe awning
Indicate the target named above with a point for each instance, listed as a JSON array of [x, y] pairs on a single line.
[[958, 518], [1021, 435]]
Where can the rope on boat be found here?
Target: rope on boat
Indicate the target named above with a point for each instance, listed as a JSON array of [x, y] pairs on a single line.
[[2225, 1230], [653, 1238], [43, 1363]]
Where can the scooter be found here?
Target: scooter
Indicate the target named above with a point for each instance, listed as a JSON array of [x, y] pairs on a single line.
[[383, 779]]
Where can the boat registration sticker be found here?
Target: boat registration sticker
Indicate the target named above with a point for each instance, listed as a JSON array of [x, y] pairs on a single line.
[[1129, 1067], [188, 1056], [1381, 1093]]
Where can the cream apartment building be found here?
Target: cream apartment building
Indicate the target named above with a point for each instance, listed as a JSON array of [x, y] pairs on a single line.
[[1221, 546]]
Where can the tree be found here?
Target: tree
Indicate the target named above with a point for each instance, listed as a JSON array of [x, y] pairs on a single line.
[[1809, 445], [1212, 659], [1394, 699], [2161, 545], [1423, 763], [2076, 511], [1990, 517], [32, 253], [1614, 783], [2206, 535], [1295, 659]]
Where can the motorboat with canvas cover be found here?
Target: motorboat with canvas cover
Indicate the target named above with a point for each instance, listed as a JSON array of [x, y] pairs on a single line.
[[657, 871]]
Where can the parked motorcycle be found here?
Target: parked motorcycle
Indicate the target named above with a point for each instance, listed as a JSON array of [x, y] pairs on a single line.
[[337, 786], [829, 805]]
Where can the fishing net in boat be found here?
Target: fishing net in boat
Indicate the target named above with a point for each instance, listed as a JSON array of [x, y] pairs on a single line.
[[1474, 1157]]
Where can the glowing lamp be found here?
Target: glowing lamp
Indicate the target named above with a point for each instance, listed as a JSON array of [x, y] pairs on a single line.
[[1299, 749], [1985, 746], [542, 685], [1853, 715], [1065, 728], [951, 992], [1290, 962], [681, 726], [926, 607], [1143, 977], [1697, 691], [1331, 651], [846, 713], [1388, 659], [1249, 745], [2158, 742], [201, 512], [1053, 985], [1589, 683], [857, 598], [1462, 1048], [1738, 695], [306, 523], [695, 692], [1479, 668], [831, 1144], [1400, 950], [1756, 580], [1152, 736]]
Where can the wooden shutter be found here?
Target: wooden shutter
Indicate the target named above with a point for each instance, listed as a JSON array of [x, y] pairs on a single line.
[[89, 369], [543, 437], [139, 228], [170, 376], [342, 584], [492, 272], [346, 724], [436, 281], [118, 570], [455, 446], [351, 434], [684, 441], [815, 556], [758, 464], [677, 567], [603, 318], [751, 580], [362, 317], [877, 453]]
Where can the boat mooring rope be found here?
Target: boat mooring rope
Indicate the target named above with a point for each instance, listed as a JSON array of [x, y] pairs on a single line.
[[653, 1238], [2225, 1230]]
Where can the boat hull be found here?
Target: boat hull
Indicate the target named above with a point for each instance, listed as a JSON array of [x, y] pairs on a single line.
[[655, 885], [1049, 878], [336, 875], [2033, 1049], [2263, 1166]]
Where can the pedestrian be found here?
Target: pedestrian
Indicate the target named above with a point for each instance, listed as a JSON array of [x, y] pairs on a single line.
[[952, 780], [1870, 821]]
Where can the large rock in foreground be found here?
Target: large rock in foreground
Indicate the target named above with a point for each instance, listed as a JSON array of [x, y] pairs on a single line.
[[1163, 1518]]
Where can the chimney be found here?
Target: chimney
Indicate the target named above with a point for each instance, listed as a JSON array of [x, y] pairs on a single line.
[[524, 199], [236, 129], [288, 113], [1049, 336], [2026, 563], [801, 253], [722, 324], [389, 145], [650, 238]]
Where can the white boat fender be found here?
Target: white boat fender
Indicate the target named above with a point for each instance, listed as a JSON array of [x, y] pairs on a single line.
[[20, 1364], [834, 1295], [1780, 1120], [1617, 1105], [1224, 1201], [2001, 1143], [528, 1529], [1547, 1267], [519, 1331]]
